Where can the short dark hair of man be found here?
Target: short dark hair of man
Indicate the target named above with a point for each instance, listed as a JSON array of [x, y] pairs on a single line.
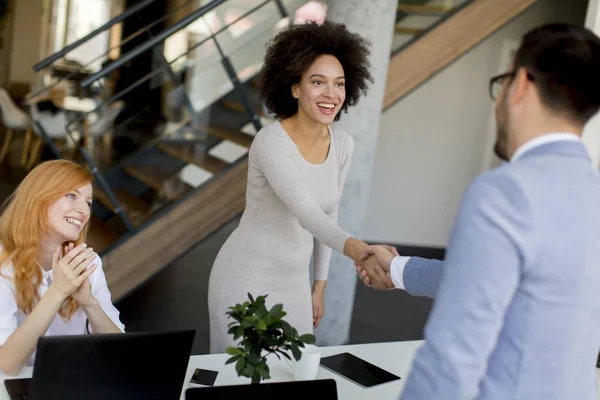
[[564, 61]]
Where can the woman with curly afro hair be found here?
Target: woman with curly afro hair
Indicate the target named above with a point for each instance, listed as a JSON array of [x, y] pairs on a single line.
[[312, 74]]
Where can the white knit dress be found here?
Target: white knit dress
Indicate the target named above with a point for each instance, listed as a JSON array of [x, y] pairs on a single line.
[[291, 210]]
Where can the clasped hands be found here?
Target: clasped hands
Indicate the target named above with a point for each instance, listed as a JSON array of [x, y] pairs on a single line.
[[374, 264], [71, 273]]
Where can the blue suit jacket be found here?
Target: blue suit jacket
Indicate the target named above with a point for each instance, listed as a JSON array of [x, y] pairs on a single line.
[[517, 310]]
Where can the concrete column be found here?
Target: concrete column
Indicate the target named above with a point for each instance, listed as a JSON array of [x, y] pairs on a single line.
[[374, 20], [591, 132]]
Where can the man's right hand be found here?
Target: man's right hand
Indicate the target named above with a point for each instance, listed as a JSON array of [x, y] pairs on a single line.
[[373, 266]]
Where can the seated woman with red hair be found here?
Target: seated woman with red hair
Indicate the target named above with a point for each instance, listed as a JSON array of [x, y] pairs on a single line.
[[51, 282]]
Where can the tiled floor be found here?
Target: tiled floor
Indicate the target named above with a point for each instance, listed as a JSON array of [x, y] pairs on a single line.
[[176, 298]]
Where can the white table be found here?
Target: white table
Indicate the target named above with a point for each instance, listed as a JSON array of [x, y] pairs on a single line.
[[395, 357]]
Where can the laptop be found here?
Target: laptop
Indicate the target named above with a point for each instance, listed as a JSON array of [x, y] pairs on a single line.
[[107, 366], [323, 389]]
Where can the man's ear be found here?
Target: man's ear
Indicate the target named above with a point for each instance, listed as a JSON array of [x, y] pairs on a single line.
[[520, 87]]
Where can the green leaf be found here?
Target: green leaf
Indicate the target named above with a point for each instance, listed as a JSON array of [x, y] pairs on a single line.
[[287, 328], [251, 298], [269, 341], [285, 354], [233, 329], [234, 351], [264, 372], [263, 309], [296, 352], [248, 371], [261, 326], [247, 324], [232, 359], [277, 311], [239, 366], [308, 338], [254, 358], [239, 332]]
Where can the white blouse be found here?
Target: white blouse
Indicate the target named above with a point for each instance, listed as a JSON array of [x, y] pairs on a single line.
[[11, 317]]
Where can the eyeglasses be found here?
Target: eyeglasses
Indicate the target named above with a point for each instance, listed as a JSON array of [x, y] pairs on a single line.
[[497, 81], [496, 84]]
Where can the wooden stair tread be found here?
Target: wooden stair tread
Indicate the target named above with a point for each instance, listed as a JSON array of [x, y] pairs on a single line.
[[99, 235], [135, 208], [408, 30], [423, 9], [227, 133], [150, 175], [191, 155], [167, 184]]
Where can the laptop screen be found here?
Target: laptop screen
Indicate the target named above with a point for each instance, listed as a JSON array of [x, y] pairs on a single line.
[[325, 389], [108, 366]]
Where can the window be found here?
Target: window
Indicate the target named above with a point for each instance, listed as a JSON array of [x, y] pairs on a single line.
[[75, 19]]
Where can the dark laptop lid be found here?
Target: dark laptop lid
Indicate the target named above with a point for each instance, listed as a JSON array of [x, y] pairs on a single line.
[[325, 389], [111, 366]]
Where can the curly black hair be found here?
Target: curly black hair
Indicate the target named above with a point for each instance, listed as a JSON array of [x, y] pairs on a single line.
[[292, 51]]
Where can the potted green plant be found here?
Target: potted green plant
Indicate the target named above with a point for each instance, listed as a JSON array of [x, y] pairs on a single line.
[[263, 332]]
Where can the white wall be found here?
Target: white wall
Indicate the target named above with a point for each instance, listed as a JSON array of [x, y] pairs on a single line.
[[592, 18], [432, 143]]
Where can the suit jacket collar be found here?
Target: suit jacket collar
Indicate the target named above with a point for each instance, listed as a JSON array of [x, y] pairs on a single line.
[[562, 148]]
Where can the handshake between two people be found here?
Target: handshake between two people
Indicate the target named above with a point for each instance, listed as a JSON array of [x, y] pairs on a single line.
[[374, 265]]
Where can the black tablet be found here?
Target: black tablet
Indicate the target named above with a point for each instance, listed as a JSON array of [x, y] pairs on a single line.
[[204, 377], [357, 370]]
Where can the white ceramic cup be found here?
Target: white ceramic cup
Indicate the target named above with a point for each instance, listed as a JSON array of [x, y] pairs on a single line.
[[307, 367]]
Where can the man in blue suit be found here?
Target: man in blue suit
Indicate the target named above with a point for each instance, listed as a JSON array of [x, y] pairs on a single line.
[[517, 299]]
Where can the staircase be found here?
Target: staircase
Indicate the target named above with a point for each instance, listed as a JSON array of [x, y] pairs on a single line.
[[178, 166], [429, 36]]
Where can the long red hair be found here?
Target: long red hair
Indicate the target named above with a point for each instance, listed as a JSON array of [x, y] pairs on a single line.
[[24, 223]]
